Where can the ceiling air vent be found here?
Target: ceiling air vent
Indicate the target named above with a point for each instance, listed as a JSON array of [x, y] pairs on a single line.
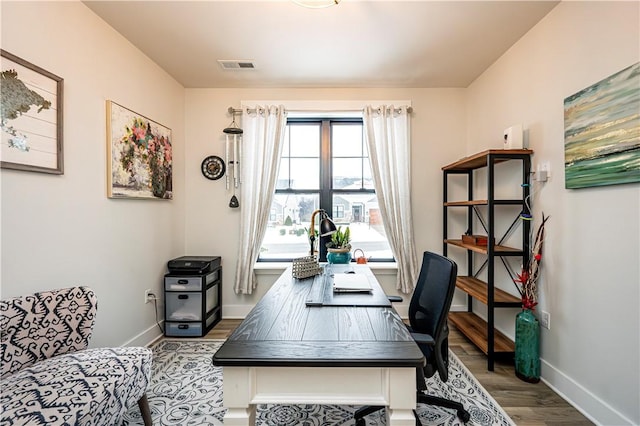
[[234, 64]]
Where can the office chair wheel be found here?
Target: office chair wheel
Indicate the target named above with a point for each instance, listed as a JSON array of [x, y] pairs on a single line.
[[464, 416], [361, 422]]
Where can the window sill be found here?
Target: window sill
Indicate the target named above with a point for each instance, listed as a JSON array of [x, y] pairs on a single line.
[[277, 268]]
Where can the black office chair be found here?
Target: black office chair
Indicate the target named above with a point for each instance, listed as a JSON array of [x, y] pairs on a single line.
[[428, 312]]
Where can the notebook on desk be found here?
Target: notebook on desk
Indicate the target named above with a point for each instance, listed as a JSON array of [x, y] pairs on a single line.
[[351, 283]]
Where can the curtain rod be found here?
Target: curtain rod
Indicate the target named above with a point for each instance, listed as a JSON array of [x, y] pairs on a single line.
[[234, 111]]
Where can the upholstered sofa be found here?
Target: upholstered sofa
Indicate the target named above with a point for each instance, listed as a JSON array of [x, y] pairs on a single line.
[[48, 375]]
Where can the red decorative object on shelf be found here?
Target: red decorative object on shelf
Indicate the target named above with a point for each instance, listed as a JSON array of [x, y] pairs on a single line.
[[479, 240]]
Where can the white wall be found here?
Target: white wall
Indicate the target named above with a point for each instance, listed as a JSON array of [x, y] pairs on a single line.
[[591, 276], [59, 231], [438, 136], [62, 230]]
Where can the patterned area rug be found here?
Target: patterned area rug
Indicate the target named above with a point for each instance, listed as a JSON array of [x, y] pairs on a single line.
[[186, 389]]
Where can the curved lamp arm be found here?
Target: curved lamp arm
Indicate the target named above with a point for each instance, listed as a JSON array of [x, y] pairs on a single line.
[[327, 227]]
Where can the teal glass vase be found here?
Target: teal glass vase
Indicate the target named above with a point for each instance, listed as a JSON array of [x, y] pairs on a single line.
[[527, 357], [338, 257]]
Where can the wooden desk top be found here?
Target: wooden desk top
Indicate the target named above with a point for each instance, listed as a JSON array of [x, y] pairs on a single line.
[[281, 331]]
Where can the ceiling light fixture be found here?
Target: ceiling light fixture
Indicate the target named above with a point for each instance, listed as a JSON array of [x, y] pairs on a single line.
[[316, 4]]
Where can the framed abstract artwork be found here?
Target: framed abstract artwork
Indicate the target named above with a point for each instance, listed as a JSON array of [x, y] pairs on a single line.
[[139, 156], [31, 111], [602, 132]]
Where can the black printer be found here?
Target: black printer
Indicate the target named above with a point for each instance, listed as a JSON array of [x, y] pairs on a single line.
[[193, 265]]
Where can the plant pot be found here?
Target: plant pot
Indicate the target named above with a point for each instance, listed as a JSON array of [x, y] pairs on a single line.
[[338, 256], [527, 356]]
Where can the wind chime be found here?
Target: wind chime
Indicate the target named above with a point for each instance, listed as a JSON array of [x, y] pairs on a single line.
[[233, 153], [214, 167]]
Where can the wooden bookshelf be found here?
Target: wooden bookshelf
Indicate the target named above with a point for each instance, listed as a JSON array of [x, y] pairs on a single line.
[[483, 249], [467, 203], [479, 290], [479, 160], [475, 328], [490, 213]]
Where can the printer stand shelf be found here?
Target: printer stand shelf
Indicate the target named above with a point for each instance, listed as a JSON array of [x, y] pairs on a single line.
[[193, 296]]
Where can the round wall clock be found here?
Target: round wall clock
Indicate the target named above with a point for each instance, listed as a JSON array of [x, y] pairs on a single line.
[[213, 167]]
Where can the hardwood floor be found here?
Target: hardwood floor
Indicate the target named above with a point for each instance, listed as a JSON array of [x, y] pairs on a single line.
[[526, 403], [223, 329]]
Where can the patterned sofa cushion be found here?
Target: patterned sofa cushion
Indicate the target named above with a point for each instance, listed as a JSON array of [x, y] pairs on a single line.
[[92, 387], [49, 378], [42, 325]]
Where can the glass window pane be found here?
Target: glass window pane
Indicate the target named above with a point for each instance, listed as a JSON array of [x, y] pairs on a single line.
[[283, 174], [347, 173], [300, 167], [361, 213], [305, 140], [346, 140], [305, 173], [285, 146], [366, 174], [286, 237]]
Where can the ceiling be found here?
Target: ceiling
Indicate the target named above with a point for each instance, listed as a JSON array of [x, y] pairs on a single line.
[[358, 43]]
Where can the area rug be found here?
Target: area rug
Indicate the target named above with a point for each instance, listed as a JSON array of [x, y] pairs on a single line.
[[186, 389]]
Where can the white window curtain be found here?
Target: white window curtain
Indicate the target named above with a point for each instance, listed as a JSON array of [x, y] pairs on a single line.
[[262, 141], [388, 139]]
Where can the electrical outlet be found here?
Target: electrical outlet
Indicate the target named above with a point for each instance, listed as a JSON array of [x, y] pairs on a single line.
[[545, 320], [148, 296], [541, 176], [544, 171], [546, 166]]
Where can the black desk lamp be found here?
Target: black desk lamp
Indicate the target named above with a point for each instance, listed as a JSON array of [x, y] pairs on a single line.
[[327, 227]]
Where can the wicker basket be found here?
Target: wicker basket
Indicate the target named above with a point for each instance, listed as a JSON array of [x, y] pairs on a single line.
[[305, 267]]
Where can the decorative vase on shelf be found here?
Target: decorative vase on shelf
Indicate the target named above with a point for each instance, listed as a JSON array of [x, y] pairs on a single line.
[[338, 256], [527, 357]]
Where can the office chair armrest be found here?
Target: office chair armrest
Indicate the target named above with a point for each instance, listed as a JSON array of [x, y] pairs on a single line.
[[393, 299], [423, 339]]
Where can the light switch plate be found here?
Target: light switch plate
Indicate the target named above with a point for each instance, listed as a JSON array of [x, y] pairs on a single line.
[[545, 320]]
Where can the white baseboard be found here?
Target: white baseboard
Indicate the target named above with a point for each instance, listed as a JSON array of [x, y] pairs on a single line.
[[147, 337], [458, 308], [590, 405], [236, 311], [402, 309]]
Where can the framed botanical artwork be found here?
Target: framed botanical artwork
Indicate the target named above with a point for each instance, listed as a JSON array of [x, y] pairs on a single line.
[[31, 111], [602, 132], [139, 156]]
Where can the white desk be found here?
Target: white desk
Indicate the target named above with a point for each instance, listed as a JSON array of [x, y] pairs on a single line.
[[286, 352]]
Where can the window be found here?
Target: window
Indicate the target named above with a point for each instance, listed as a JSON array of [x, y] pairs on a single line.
[[325, 165]]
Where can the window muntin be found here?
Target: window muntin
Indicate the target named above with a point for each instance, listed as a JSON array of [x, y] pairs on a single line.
[[324, 164], [299, 163], [350, 159]]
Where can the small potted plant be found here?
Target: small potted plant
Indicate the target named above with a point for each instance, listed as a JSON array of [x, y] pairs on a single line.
[[339, 248]]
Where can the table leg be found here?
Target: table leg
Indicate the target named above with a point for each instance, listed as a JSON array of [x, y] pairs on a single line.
[[396, 417], [240, 416], [237, 394], [402, 400]]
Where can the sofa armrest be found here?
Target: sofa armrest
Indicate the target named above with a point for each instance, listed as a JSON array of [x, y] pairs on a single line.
[[45, 324]]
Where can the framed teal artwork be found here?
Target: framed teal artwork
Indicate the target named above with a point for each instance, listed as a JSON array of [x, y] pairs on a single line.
[[602, 132]]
